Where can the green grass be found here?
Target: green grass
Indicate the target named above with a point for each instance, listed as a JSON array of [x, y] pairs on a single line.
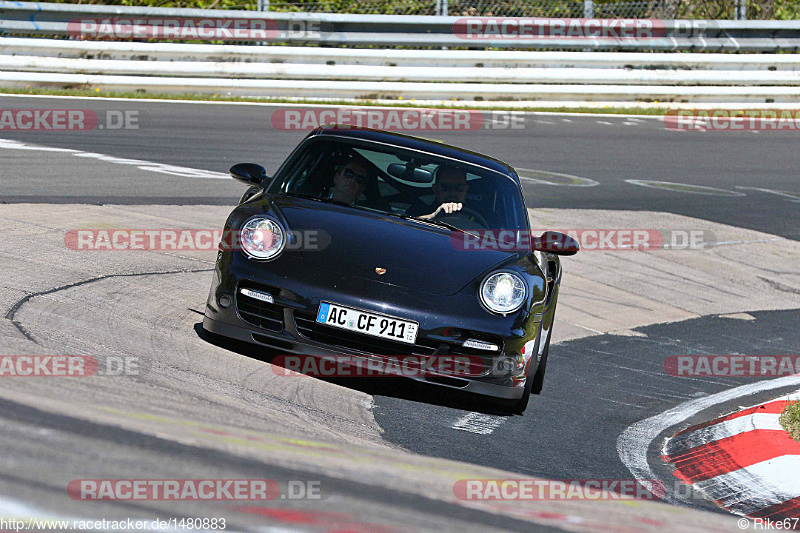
[[790, 420], [399, 103]]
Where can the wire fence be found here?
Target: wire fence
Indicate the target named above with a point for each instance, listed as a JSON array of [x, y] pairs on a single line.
[[663, 9]]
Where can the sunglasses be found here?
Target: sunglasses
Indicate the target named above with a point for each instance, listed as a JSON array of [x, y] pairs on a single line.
[[457, 187], [350, 174]]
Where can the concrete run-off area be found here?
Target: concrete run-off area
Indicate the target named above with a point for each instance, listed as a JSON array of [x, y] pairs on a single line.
[[148, 305]]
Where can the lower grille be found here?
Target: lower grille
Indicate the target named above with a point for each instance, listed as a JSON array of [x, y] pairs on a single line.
[[274, 343], [448, 381], [262, 314], [309, 328]]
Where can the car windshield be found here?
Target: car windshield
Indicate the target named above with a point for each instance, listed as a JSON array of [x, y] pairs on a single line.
[[403, 183]]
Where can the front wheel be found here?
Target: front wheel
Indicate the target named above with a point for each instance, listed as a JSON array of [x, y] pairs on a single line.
[[517, 407], [533, 382], [538, 379]]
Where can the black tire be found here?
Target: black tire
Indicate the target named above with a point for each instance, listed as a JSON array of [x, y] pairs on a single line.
[[538, 379], [517, 407], [533, 384]]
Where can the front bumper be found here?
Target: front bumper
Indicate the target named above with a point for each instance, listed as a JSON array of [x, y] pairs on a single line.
[[287, 324], [288, 344]]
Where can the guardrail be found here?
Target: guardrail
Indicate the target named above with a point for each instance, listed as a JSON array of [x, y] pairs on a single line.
[[281, 71], [290, 63], [416, 31], [389, 74], [395, 58]]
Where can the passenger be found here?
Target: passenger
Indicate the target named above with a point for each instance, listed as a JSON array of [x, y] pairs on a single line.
[[349, 182]]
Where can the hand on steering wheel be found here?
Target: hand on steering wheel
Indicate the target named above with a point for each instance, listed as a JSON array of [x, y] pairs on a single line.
[[457, 210], [447, 208]]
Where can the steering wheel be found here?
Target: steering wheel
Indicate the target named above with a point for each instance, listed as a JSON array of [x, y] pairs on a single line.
[[458, 219]]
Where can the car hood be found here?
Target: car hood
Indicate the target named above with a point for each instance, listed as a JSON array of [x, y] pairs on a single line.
[[356, 243]]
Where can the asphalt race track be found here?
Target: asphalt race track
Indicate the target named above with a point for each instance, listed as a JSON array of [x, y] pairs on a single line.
[[207, 409], [607, 150]]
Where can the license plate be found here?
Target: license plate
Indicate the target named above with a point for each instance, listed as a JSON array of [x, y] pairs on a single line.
[[382, 326]]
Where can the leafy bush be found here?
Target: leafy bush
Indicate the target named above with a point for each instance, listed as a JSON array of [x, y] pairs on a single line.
[[790, 420]]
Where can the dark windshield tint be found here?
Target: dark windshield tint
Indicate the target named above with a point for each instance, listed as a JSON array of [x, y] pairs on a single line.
[[402, 182]]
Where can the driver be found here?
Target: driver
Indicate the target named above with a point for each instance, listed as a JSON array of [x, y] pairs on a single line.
[[349, 182], [450, 190]]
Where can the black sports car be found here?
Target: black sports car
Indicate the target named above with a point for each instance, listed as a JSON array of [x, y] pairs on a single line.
[[375, 244]]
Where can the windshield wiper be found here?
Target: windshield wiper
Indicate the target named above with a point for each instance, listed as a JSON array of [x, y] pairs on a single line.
[[434, 222], [306, 196], [329, 200]]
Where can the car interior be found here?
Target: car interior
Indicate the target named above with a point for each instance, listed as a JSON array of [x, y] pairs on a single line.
[[398, 184]]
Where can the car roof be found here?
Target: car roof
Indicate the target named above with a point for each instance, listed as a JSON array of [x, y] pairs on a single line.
[[416, 143]]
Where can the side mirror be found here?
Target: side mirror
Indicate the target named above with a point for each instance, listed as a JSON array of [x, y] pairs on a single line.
[[250, 174], [557, 243]]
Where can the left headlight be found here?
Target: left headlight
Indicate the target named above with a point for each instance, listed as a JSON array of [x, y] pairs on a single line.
[[503, 292], [262, 238]]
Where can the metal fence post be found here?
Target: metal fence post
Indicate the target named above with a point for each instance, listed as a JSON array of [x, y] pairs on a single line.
[[588, 9], [445, 8], [263, 5], [741, 10], [588, 13]]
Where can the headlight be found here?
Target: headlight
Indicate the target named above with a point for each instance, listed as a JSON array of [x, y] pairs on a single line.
[[262, 238], [503, 292]]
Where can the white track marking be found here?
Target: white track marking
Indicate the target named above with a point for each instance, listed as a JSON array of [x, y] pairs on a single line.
[[633, 443], [172, 170], [15, 145], [725, 243], [545, 177], [684, 187], [478, 423], [729, 428], [791, 196], [761, 485], [709, 244]]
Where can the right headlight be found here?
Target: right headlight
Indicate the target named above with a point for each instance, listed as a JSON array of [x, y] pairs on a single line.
[[503, 292], [262, 238]]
